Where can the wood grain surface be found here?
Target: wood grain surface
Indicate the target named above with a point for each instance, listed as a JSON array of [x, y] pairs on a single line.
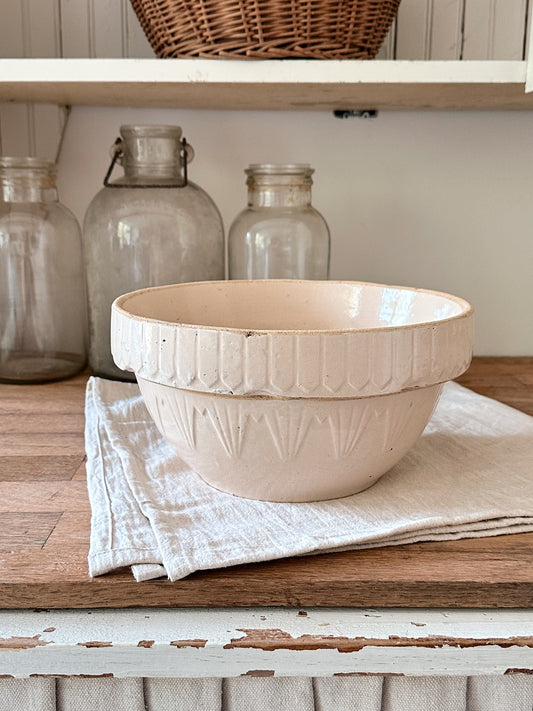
[[45, 526]]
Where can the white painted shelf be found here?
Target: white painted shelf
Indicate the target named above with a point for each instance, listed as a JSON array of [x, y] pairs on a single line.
[[271, 84], [166, 643]]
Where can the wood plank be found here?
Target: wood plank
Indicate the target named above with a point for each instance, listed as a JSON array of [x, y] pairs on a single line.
[[47, 522], [505, 379], [18, 400], [264, 97], [12, 29], [509, 34], [50, 496], [413, 29], [494, 30], [81, 472], [21, 531], [42, 423], [42, 28], [271, 84], [109, 28], [137, 44], [48, 468], [20, 444], [447, 29], [77, 28]]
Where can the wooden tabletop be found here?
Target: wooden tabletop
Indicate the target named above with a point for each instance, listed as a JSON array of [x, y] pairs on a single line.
[[45, 525]]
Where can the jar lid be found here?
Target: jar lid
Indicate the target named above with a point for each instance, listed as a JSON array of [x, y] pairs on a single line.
[[21, 162], [279, 169], [154, 130]]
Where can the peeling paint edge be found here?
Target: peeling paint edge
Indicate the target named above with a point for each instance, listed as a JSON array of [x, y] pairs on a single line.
[[274, 639], [16, 644]]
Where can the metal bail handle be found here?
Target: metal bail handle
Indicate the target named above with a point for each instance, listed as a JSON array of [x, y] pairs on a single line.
[[118, 153]]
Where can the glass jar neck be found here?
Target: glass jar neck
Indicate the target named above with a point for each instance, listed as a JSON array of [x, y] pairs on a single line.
[[279, 185], [152, 152], [27, 180]]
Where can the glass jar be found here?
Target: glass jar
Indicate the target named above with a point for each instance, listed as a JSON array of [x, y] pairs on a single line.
[[148, 228], [43, 325], [279, 235]]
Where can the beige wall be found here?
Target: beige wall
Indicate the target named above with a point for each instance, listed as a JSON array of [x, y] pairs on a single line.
[[431, 199]]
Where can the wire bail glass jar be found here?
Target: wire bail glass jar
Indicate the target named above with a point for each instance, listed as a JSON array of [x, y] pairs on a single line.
[[43, 324], [279, 235], [148, 228]]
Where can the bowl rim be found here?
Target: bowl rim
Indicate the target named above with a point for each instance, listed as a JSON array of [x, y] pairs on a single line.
[[467, 310]]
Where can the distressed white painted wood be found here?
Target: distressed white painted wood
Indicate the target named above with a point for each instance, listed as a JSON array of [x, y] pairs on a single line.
[[494, 29], [225, 643]]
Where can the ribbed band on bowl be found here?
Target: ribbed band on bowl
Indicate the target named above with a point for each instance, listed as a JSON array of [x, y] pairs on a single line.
[[347, 364]]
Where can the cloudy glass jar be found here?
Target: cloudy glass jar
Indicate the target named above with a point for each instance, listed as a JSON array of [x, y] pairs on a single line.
[[279, 235], [150, 227], [43, 325]]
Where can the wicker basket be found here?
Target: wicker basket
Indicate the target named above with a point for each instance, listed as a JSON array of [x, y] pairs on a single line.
[[266, 29]]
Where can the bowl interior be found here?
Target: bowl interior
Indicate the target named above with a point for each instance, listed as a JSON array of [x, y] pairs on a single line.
[[290, 305]]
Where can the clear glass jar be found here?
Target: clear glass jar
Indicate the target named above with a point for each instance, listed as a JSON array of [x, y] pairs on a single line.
[[148, 228], [279, 235], [43, 323]]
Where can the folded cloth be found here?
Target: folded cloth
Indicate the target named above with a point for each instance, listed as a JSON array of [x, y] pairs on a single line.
[[470, 474]]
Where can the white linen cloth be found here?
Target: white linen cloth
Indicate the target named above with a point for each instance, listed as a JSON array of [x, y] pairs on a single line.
[[470, 474]]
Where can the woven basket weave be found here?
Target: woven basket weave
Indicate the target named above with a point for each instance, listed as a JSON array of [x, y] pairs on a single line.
[[266, 29]]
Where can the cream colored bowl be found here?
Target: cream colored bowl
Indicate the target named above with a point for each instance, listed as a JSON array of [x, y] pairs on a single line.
[[287, 390]]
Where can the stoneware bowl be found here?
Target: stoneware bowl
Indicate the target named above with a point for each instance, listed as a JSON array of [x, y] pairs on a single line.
[[286, 390]]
